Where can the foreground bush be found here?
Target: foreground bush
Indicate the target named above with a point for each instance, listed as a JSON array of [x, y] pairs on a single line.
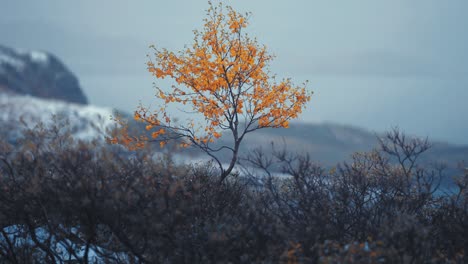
[[75, 202]]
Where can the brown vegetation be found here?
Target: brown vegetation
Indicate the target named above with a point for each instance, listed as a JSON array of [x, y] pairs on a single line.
[[76, 202]]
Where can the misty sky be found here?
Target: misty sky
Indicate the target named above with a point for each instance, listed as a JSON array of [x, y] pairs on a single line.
[[374, 64]]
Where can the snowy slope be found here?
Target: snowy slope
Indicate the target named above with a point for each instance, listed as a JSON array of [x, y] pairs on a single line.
[[86, 121], [39, 74]]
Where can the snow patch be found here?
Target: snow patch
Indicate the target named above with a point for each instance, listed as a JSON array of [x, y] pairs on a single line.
[[39, 57], [17, 60], [86, 122], [13, 62]]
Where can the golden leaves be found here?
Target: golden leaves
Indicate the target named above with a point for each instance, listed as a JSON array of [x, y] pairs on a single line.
[[137, 117], [184, 145], [158, 133], [120, 135], [223, 76], [216, 134]]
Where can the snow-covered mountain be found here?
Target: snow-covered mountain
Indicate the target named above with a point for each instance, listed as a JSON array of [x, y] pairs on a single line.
[[35, 85], [39, 74]]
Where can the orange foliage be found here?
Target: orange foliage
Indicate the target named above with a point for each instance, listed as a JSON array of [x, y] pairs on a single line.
[[224, 76]]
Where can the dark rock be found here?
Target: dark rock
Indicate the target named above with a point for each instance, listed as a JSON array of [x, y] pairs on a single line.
[[38, 74]]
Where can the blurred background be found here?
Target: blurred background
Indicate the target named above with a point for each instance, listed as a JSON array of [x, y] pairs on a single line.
[[376, 64], [372, 66]]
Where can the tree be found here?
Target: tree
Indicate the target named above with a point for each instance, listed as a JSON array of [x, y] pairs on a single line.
[[223, 76]]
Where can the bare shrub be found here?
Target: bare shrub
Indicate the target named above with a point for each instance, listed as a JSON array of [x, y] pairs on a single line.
[[67, 201]]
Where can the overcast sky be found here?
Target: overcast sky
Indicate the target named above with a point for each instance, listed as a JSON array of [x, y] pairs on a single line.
[[374, 64]]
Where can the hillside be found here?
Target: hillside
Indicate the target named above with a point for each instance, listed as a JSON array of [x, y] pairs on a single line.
[[38, 74], [18, 112], [34, 87]]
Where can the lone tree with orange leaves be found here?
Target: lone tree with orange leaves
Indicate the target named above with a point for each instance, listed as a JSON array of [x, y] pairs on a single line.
[[223, 76]]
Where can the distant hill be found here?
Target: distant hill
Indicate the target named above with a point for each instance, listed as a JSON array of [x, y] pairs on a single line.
[[327, 143], [38, 74], [331, 143], [34, 86]]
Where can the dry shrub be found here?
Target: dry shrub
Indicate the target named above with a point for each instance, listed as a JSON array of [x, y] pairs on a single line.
[[66, 201]]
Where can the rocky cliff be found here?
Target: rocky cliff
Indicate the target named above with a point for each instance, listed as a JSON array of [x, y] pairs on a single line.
[[38, 74]]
